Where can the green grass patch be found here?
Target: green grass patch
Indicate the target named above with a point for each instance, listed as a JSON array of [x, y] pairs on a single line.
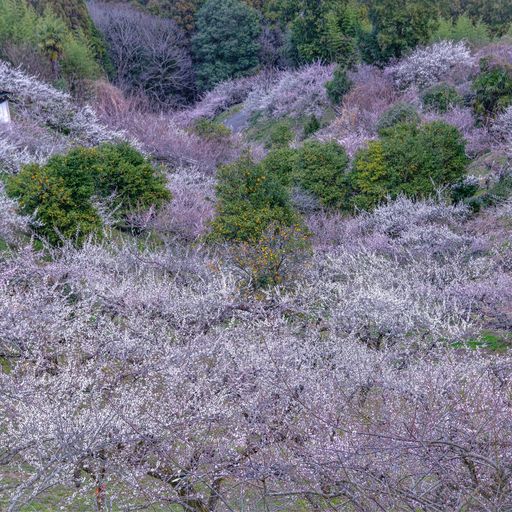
[[494, 341], [262, 129], [60, 498]]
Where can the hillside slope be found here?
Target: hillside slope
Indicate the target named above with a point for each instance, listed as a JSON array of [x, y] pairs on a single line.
[[307, 322]]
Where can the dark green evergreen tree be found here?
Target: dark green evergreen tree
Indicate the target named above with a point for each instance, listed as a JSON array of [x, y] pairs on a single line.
[[226, 43], [399, 25], [326, 30]]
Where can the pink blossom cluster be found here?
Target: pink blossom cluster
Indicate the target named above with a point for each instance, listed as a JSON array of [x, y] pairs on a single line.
[[221, 98]]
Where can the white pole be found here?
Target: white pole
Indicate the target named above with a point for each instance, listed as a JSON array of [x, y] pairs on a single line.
[[5, 114]]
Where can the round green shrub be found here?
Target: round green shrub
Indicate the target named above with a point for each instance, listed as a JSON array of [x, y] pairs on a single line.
[[63, 211], [399, 113], [61, 193], [273, 258], [121, 170], [321, 168], [441, 98], [492, 89], [339, 85], [211, 130], [249, 200], [410, 160], [279, 164], [311, 126], [281, 134]]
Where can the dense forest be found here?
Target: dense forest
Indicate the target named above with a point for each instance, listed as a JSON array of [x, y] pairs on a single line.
[[256, 255], [175, 50]]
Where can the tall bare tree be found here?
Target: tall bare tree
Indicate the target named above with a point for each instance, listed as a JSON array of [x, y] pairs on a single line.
[[149, 54]]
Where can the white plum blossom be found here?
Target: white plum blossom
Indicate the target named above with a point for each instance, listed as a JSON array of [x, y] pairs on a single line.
[[144, 377], [293, 93], [502, 126], [60, 122], [426, 66], [139, 371]]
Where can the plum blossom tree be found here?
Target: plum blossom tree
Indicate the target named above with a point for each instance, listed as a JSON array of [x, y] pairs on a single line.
[[46, 122], [143, 378], [426, 66], [146, 371]]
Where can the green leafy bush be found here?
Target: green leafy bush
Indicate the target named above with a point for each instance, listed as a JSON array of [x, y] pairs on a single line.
[[211, 130], [320, 168], [408, 159], [339, 85], [249, 200], [279, 163], [62, 211], [61, 193], [311, 126], [273, 259], [492, 89], [441, 98], [121, 170], [398, 114], [281, 134]]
